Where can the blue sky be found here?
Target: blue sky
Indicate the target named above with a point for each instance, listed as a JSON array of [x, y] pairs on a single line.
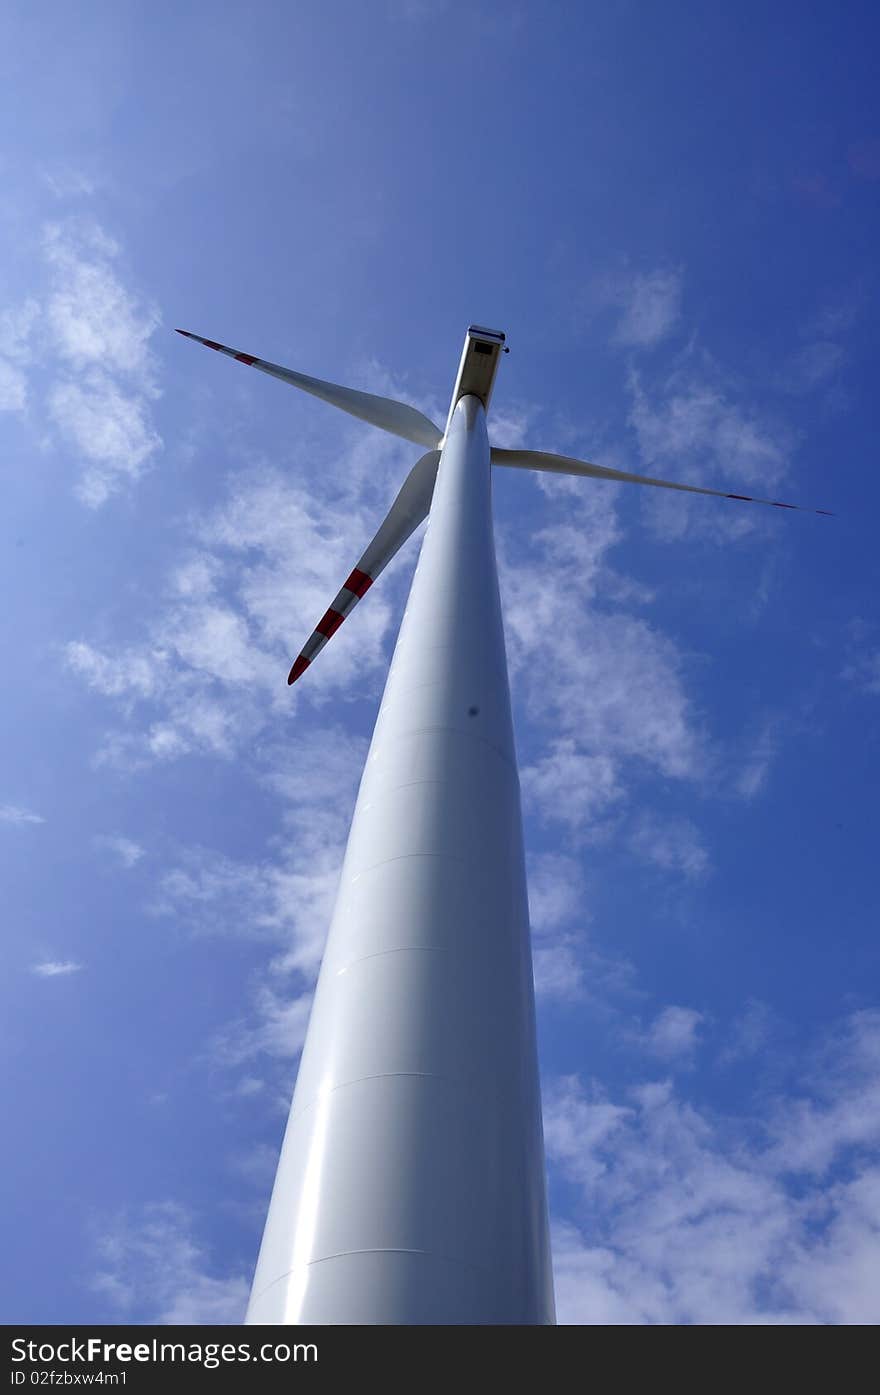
[[673, 213]]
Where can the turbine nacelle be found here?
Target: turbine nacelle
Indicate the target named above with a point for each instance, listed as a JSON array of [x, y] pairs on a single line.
[[479, 363]]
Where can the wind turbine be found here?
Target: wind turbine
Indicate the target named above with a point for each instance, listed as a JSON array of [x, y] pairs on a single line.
[[410, 1186]]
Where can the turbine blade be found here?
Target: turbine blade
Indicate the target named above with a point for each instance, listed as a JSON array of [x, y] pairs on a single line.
[[396, 417], [406, 513], [565, 465]]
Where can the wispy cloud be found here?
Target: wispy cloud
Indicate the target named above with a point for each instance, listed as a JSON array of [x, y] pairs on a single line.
[[686, 1216], [571, 787], [17, 326], [275, 1027], [286, 899], [13, 387], [813, 365], [256, 1165], [864, 671], [214, 894], [19, 818], [56, 968], [648, 305], [750, 1032], [289, 897], [128, 852], [558, 915], [751, 777], [69, 183], [508, 427], [614, 690], [108, 427], [131, 673], [818, 365], [692, 427], [152, 1268], [89, 336], [210, 671], [95, 321], [97, 333], [673, 1035], [671, 843], [16, 330]]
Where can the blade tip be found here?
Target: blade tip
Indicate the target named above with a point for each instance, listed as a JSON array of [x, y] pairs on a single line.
[[298, 668]]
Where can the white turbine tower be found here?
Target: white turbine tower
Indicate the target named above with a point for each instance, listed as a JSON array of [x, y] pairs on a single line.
[[410, 1187]]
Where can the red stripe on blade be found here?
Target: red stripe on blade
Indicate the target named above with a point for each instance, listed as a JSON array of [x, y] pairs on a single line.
[[299, 667], [329, 623], [359, 583], [209, 343], [747, 497], [783, 506], [245, 358]]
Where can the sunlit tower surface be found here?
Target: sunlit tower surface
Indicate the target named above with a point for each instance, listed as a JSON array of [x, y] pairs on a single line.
[[410, 1186]]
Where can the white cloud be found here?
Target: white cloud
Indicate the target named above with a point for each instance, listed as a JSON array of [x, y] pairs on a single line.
[[567, 965], [126, 850], [558, 916], [305, 546], [285, 899], [249, 1086], [11, 813], [288, 904], [614, 688], [69, 183], [108, 427], [649, 304], [673, 1033], [213, 663], [16, 332], [577, 1125], [214, 894], [56, 968], [864, 672], [750, 1033], [585, 1279], [842, 1109], [17, 326], [215, 640], [95, 321], [100, 333], [691, 429], [154, 1270], [688, 1217], [585, 528], [607, 685], [671, 843], [134, 673], [257, 1165], [568, 786], [813, 365], [752, 776], [276, 1027], [817, 365], [13, 387], [508, 427], [556, 891]]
